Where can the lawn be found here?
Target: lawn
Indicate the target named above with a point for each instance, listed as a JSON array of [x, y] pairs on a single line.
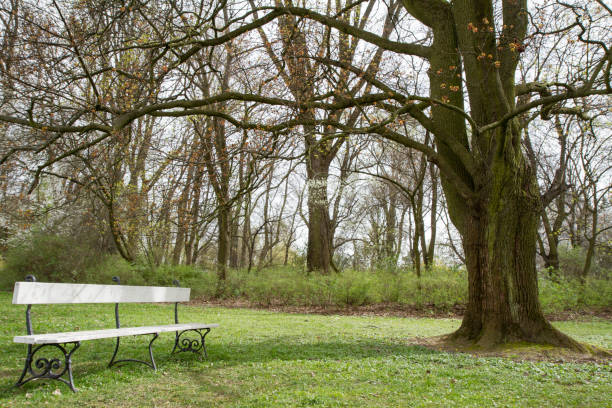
[[261, 359]]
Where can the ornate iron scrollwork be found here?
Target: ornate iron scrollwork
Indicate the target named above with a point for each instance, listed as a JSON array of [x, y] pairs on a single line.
[[194, 345], [52, 368]]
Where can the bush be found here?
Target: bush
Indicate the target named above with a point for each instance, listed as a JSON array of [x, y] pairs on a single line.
[[202, 283], [571, 261], [51, 258], [110, 266], [56, 258], [564, 294], [352, 288], [559, 295], [441, 287]]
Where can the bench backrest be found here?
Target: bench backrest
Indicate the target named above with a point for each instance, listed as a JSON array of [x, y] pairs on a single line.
[[33, 293]]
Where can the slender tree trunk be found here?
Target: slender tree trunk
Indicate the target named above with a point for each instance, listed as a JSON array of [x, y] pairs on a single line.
[[588, 262], [117, 235], [400, 235], [421, 226], [181, 229], [234, 260], [318, 257], [429, 257], [416, 254], [390, 227], [267, 225], [592, 241], [290, 237], [223, 220], [419, 234], [161, 240], [192, 233], [287, 248], [551, 258], [245, 239]]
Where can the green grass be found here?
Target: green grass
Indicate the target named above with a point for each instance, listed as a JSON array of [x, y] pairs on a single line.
[[266, 359]]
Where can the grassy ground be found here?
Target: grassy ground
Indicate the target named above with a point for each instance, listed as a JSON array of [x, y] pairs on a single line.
[[261, 358]]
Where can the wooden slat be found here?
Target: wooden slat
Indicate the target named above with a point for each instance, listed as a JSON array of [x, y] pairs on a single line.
[[67, 337], [49, 293]]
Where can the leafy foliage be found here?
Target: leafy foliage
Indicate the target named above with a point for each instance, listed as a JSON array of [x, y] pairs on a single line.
[[49, 257]]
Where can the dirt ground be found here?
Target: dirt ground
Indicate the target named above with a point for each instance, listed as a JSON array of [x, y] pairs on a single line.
[[391, 309]]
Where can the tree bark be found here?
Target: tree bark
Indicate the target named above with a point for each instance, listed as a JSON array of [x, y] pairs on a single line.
[[390, 227], [429, 258], [551, 258], [181, 229], [592, 240], [318, 257], [499, 239], [234, 260], [223, 220]]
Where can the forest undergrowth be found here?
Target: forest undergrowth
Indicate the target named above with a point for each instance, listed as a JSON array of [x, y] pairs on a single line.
[[441, 289]]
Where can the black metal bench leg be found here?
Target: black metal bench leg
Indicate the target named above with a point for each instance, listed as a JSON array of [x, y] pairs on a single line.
[[151, 352], [25, 367], [48, 368], [198, 346], [132, 360]]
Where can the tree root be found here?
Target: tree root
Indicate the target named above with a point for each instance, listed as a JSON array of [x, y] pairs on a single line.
[[546, 335]]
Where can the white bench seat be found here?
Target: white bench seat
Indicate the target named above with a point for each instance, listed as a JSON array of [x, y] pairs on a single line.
[[188, 337], [68, 337]]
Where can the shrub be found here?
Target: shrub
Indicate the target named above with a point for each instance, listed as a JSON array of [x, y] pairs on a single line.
[[110, 266], [559, 295], [571, 261], [202, 283], [597, 293], [354, 288], [49, 257], [440, 287], [565, 294]]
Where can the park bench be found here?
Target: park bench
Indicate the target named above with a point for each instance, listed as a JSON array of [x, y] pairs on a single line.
[[189, 337]]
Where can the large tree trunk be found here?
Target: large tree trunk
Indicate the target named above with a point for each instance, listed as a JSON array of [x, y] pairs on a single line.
[[318, 257], [499, 240], [491, 193]]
